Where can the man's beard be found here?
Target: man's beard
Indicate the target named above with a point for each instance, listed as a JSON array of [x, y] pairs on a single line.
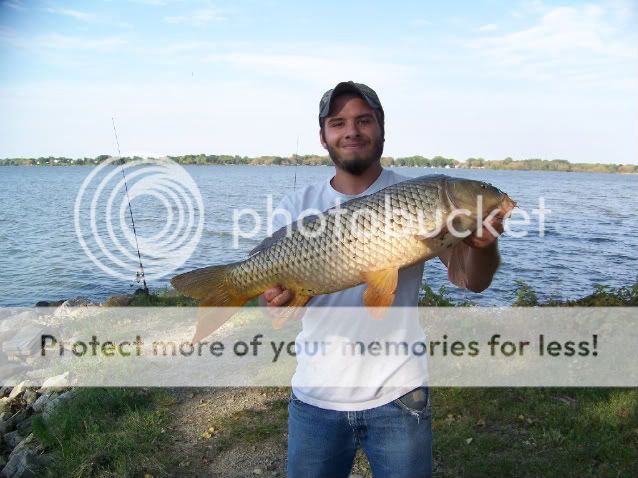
[[357, 166]]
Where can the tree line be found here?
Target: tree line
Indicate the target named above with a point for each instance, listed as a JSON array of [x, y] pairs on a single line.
[[534, 164]]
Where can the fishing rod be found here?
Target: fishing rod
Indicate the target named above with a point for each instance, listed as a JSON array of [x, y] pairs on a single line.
[[140, 274], [294, 186]]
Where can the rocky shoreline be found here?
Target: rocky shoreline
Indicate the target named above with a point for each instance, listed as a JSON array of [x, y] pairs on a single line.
[[21, 455]]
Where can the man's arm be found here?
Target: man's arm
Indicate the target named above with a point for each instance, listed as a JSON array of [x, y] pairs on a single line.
[[472, 263]]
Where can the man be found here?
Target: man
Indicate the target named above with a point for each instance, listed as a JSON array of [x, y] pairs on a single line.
[[390, 417]]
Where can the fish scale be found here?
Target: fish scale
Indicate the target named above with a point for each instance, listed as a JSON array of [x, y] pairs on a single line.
[[326, 266]]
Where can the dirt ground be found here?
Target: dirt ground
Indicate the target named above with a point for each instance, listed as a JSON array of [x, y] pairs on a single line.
[[232, 433]]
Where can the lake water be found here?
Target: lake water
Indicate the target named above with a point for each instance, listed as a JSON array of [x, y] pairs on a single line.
[[591, 234]]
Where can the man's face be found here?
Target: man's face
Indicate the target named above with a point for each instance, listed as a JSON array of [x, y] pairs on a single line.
[[352, 134]]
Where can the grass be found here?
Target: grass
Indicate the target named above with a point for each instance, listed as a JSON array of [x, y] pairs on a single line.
[[603, 296], [163, 298], [535, 432], [111, 432]]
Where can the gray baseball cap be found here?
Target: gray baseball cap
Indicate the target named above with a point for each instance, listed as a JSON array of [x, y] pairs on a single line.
[[358, 89]]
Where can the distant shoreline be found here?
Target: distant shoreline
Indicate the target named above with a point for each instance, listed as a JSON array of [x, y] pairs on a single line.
[[507, 164]]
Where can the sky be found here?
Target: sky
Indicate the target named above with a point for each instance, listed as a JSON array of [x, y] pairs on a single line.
[[491, 79]]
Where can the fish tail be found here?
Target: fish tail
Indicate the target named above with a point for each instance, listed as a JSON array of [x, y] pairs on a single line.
[[211, 286]]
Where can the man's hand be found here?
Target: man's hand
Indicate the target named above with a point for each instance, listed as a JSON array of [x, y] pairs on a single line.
[[472, 263], [490, 231], [275, 297]]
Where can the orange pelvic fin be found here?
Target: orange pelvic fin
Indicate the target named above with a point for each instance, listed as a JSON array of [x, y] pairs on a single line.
[[292, 310], [209, 319], [382, 286]]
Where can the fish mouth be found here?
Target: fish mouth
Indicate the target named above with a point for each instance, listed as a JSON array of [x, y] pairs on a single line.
[[507, 205]]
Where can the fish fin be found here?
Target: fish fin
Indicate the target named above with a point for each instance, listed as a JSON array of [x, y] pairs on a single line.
[[210, 285], [455, 266], [217, 297], [379, 294], [292, 310], [209, 320], [211, 316]]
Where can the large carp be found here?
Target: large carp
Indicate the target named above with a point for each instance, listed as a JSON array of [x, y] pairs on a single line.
[[367, 239]]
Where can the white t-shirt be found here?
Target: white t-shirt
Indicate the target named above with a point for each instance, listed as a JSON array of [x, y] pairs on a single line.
[[357, 381]]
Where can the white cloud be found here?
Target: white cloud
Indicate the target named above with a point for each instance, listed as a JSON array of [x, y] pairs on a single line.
[[75, 14], [420, 22], [57, 41], [315, 68], [177, 47], [64, 42], [490, 27], [579, 40], [197, 17]]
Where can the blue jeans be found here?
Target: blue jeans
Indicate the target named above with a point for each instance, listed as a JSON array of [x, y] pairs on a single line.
[[396, 438]]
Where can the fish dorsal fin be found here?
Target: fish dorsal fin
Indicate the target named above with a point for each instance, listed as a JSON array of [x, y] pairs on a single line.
[[382, 286], [292, 310]]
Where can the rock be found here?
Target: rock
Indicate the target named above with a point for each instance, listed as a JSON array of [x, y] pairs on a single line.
[[9, 424], [24, 342], [258, 471], [52, 404], [26, 460], [52, 303], [55, 384], [5, 390], [67, 306], [24, 427], [13, 438], [79, 302], [42, 400], [17, 390], [118, 301], [4, 404], [29, 397]]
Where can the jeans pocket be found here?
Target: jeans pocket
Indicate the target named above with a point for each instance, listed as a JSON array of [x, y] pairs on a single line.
[[416, 401]]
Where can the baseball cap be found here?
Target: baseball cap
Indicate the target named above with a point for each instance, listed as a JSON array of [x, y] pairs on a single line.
[[359, 89]]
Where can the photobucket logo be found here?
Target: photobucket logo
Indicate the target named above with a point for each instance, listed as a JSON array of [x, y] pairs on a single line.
[[167, 208], [391, 222]]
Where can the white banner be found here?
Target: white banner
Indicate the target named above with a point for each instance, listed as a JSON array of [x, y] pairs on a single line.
[[459, 346]]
